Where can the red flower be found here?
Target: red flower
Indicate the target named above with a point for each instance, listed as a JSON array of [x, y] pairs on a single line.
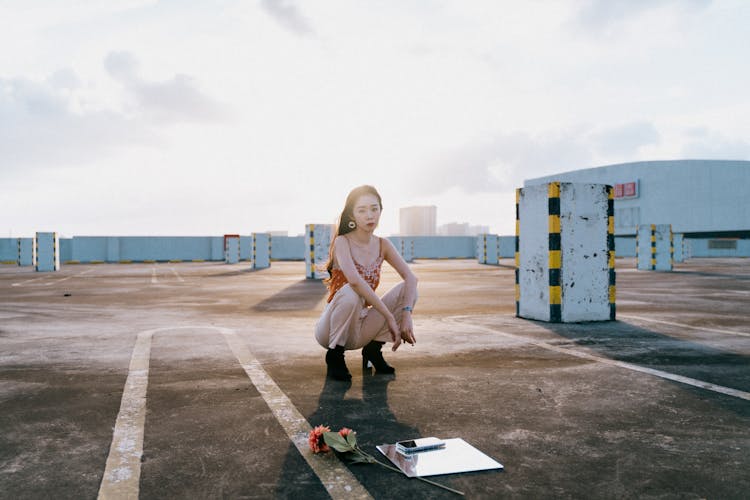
[[317, 443], [345, 431]]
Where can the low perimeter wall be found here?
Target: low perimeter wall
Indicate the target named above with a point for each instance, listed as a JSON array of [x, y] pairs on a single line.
[[210, 248]]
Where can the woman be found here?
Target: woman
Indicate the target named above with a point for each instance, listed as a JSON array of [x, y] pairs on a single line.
[[355, 317]]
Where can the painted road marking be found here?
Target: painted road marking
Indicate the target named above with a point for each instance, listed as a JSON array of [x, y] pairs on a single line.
[[682, 325], [153, 276], [21, 283], [174, 271], [65, 279], [123, 469], [629, 366], [338, 481]]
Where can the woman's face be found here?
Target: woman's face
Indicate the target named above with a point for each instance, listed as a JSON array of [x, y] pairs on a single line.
[[367, 212]]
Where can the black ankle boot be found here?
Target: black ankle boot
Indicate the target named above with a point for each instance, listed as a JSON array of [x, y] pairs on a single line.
[[371, 352], [336, 365]]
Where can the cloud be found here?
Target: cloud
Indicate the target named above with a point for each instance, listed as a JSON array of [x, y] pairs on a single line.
[[288, 15], [608, 16], [41, 125], [704, 143], [625, 140], [174, 100], [57, 121], [503, 162], [506, 160]]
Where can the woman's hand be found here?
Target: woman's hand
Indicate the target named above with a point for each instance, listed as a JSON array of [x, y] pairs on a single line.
[[405, 332], [395, 333]]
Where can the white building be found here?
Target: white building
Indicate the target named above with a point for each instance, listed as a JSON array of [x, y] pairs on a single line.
[[418, 221], [700, 198]]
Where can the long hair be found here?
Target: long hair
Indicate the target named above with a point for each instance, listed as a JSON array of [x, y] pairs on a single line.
[[347, 216]]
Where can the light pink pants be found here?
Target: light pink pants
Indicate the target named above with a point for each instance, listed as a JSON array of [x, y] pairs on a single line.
[[347, 322]]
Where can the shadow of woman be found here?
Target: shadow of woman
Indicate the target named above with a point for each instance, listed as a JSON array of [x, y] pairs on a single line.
[[367, 413], [375, 423]]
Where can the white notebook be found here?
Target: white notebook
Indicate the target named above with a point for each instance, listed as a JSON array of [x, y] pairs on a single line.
[[457, 456]]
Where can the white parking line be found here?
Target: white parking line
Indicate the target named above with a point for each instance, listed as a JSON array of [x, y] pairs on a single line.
[[174, 271], [338, 481], [67, 278], [682, 325], [123, 469], [629, 366], [153, 276], [21, 283]]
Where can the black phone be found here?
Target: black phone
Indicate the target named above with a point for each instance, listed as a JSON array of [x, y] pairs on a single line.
[[416, 445]]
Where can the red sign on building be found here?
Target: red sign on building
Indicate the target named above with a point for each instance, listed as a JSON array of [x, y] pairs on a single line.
[[626, 190]]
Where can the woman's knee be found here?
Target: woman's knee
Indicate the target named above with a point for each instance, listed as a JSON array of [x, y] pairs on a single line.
[[347, 298]]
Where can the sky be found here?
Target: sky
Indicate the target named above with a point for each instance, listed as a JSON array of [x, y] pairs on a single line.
[[145, 117]]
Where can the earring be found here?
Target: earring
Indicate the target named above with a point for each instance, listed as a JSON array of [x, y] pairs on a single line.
[[352, 224]]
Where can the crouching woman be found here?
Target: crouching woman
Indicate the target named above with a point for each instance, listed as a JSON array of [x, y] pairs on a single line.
[[355, 317]]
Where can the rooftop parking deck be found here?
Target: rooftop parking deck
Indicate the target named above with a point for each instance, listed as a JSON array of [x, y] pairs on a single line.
[[655, 404]]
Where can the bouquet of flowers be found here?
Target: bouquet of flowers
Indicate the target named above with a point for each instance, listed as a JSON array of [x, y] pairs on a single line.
[[322, 440]]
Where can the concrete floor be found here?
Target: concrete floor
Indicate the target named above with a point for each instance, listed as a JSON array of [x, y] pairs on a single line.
[[570, 410]]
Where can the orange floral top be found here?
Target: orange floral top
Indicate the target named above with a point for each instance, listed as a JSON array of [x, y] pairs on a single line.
[[371, 275]]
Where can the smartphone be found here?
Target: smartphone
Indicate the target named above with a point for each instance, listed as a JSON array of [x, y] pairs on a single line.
[[416, 445]]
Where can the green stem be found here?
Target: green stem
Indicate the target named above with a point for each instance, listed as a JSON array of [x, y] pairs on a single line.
[[372, 459]]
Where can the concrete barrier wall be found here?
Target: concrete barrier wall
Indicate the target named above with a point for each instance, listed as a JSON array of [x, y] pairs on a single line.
[[288, 248], [507, 247], [135, 248], [404, 245], [625, 246], [444, 247], [8, 250]]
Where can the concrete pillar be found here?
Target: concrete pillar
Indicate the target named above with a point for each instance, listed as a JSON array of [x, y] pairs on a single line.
[[26, 252], [317, 244], [405, 247], [654, 247], [47, 249], [488, 248], [565, 253], [261, 250], [231, 248], [678, 240]]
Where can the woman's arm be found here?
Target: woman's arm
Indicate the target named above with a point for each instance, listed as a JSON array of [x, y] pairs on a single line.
[[343, 253], [393, 257]]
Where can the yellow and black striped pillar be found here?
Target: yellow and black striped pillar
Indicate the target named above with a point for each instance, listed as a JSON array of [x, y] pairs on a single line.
[[637, 231], [671, 247], [653, 247], [517, 255], [611, 249], [555, 289], [312, 252], [484, 245]]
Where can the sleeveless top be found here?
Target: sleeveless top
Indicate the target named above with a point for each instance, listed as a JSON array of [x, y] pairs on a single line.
[[371, 274]]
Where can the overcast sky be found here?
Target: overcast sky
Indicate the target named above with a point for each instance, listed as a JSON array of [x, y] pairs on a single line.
[[138, 117]]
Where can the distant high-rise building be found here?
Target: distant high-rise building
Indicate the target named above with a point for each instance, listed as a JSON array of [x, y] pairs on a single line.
[[418, 221], [461, 229]]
